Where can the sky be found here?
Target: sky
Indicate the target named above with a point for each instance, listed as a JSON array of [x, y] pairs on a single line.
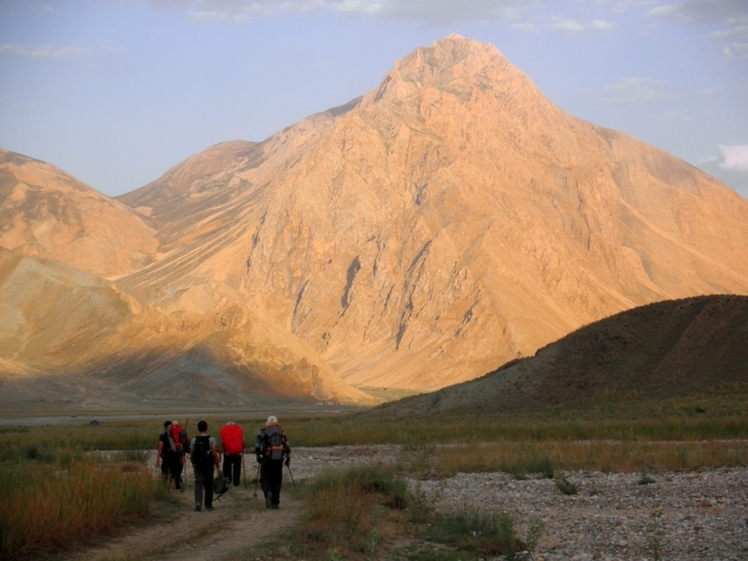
[[116, 92]]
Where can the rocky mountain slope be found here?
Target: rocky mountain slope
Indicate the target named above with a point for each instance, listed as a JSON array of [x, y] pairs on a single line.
[[67, 334], [44, 212], [450, 220], [672, 348], [419, 236]]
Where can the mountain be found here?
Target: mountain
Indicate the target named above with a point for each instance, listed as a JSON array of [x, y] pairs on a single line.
[[68, 335], [446, 222], [44, 212], [674, 348]]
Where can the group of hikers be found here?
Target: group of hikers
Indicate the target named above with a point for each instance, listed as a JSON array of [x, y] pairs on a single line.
[[272, 452]]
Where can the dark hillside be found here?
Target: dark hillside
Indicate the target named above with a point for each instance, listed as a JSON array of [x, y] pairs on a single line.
[[668, 349]]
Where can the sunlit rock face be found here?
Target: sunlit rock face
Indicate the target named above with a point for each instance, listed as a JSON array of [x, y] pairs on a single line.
[[446, 222], [44, 212]]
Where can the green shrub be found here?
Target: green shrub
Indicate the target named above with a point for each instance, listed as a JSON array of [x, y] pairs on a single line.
[[565, 486], [532, 464], [483, 533]]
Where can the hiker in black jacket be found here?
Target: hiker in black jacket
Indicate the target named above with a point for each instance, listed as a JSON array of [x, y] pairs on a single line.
[[163, 458], [204, 457], [169, 458], [271, 447]]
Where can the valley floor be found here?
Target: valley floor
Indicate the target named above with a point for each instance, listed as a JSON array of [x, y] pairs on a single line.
[[689, 516]]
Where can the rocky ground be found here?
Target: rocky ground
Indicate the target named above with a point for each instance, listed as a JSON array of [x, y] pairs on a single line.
[[691, 516]]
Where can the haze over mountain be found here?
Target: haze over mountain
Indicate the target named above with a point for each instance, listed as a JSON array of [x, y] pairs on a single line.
[[446, 222]]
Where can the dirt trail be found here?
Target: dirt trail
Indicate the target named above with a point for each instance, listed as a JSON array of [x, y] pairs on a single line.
[[238, 522]]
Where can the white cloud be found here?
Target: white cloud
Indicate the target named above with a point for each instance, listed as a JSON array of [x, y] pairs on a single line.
[[667, 11], [433, 11], [601, 25], [738, 32], [736, 157], [46, 9], [44, 51], [726, 12], [526, 27], [729, 17], [735, 50], [633, 90], [573, 26], [568, 25]]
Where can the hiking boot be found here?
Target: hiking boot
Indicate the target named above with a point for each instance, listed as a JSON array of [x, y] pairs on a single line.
[[269, 500], [198, 507], [275, 507], [210, 508]]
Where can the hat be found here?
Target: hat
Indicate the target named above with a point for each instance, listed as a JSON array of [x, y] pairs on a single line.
[[272, 419]]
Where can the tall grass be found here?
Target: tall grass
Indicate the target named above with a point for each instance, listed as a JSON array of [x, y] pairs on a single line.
[[709, 417], [344, 509], [608, 456], [44, 508]]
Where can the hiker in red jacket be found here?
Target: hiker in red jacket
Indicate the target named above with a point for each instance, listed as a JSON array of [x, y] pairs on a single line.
[[232, 444]]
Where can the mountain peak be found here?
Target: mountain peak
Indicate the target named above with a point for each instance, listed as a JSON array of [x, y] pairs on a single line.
[[457, 66]]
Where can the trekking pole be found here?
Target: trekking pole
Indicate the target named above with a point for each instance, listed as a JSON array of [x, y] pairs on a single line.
[[257, 480], [291, 474], [244, 471], [185, 453]]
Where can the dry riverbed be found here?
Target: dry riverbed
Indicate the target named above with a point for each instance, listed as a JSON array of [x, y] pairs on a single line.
[[684, 516]]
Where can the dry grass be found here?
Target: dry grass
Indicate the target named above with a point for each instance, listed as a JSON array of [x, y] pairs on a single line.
[[46, 509], [607, 456], [350, 511]]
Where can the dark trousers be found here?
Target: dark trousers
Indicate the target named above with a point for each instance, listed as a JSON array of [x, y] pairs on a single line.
[[271, 478], [171, 464], [232, 468], [204, 480]]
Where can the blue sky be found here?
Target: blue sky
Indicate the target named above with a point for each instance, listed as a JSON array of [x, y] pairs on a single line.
[[115, 92]]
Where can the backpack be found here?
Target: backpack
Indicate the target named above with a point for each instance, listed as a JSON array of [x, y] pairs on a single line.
[[202, 455], [177, 438], [273, 442], [220, 485], [232, 438]]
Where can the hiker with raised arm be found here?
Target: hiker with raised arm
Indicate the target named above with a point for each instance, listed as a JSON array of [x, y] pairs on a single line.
[[232, 446], [272, 451], [204, 458]]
